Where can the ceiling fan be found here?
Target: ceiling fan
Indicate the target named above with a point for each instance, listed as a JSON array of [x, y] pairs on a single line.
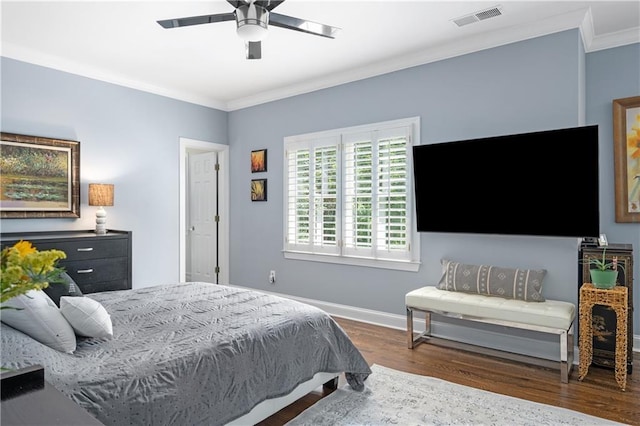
[[253, 18]]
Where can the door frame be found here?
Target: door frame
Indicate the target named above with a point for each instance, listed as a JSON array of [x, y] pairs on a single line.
[[187, 145]]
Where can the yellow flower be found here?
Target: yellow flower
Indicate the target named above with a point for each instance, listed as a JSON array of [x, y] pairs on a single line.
[[24, 268], [24, 248]]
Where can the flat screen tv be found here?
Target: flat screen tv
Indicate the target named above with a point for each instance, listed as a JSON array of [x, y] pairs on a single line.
[[541, 183]]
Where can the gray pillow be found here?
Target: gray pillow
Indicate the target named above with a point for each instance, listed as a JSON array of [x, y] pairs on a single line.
[[521, 284]]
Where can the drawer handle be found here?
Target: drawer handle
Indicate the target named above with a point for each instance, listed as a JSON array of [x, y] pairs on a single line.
[[85, 249], [85, 271]]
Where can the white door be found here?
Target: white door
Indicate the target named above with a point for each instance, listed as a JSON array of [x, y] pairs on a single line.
[[202, 259]]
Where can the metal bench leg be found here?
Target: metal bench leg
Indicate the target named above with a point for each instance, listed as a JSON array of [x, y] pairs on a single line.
[[411, 340], [566, 354], [571, 346], [427, 324], [409, 328]]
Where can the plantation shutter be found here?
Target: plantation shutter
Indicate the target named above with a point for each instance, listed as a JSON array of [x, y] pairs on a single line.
[[376, 203], [348, 196], [312, 220]]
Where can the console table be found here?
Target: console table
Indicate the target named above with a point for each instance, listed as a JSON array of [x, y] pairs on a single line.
[[617, 299], [95, 262]]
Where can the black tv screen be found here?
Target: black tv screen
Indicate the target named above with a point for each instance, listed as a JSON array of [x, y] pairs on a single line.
[[541, 183]]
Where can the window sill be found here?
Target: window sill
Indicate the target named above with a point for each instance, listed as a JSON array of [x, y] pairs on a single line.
[[355, 261]]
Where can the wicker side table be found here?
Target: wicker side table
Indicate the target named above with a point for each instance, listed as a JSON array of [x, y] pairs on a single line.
[[616, 298]]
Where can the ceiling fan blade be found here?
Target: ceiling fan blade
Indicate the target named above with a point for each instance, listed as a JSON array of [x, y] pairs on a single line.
[[197, 20], [254, 49], [269, 4], [302, 25]]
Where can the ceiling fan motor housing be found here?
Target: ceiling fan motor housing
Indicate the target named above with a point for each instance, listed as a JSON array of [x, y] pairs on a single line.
[[252, 22]]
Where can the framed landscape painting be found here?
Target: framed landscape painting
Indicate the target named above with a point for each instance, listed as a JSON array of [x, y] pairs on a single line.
[[626, 146], [39, 177]]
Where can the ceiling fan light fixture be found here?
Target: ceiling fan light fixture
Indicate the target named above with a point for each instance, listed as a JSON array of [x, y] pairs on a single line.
[[252, 22], [253, 18]]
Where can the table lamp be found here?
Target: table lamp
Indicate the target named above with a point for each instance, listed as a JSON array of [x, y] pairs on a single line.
[[101, 195]]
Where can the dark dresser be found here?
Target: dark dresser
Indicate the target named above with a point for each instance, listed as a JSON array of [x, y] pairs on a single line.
[[95, 262], [604, 317]]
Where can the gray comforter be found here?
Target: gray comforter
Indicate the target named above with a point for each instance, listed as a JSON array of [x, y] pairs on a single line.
[[193, 353]]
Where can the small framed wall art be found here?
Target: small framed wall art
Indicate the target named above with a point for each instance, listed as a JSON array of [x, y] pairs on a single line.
[[259, 161], [626, 149], [258, 190]]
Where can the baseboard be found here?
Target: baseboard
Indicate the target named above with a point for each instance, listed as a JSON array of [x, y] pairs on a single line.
[[440, 329]]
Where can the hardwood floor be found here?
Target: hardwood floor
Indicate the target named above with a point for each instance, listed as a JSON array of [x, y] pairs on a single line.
[[597, 395]]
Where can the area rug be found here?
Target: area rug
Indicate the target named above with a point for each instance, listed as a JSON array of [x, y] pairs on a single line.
[[393, 397]]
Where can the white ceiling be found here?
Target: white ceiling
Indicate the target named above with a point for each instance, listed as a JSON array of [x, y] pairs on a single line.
[[120, 41]]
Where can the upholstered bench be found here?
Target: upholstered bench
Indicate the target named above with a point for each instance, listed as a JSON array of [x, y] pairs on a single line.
[[549, 316]]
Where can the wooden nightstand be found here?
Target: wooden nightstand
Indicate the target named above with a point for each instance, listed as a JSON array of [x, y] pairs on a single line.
[[617, 299]]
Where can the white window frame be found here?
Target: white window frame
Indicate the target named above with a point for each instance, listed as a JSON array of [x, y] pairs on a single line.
[[410, 261]]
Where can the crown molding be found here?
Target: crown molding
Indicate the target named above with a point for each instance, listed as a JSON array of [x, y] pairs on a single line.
[[580, 19], [19, 53], [617, 39]]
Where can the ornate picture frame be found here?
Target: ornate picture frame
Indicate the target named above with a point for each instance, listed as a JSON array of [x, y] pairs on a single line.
[[40, 177], [626, 149]]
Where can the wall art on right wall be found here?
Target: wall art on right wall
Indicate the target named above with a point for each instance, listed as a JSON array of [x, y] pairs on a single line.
[[626, 149], [258, 190], [259, 161]]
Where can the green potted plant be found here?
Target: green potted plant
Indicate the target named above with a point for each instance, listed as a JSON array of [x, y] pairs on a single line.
[[605, 273]]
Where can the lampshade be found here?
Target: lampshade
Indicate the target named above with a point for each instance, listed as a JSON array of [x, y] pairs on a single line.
[[252, 21], [101, 194]]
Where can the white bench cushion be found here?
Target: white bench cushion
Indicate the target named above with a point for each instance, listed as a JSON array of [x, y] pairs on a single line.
[[550, 313]]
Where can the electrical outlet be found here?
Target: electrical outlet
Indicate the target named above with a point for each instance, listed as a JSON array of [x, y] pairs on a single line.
[[272, 277]]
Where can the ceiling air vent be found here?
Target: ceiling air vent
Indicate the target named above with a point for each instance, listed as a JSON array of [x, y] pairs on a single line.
[[478, 16]]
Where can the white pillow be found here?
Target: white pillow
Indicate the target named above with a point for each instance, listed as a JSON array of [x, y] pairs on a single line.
[[40, 318], [87, 316]]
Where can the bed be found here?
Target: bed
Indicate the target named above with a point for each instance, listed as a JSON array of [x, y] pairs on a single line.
[[194, 353]]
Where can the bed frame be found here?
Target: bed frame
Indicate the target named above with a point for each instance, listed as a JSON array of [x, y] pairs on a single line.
[[269, 407]]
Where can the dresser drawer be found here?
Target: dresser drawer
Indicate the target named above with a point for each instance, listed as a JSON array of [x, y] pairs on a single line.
[[88, 288], [88, 249], [96, 270]]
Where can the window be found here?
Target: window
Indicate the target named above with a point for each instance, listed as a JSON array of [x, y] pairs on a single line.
[[349, 197]]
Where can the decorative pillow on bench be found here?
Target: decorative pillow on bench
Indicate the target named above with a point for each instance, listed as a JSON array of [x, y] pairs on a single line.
[[521, 284]]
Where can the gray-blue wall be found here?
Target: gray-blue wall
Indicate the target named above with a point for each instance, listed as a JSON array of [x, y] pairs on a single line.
[[127, 137], [614, 74], [130, 138], [537, 84]]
